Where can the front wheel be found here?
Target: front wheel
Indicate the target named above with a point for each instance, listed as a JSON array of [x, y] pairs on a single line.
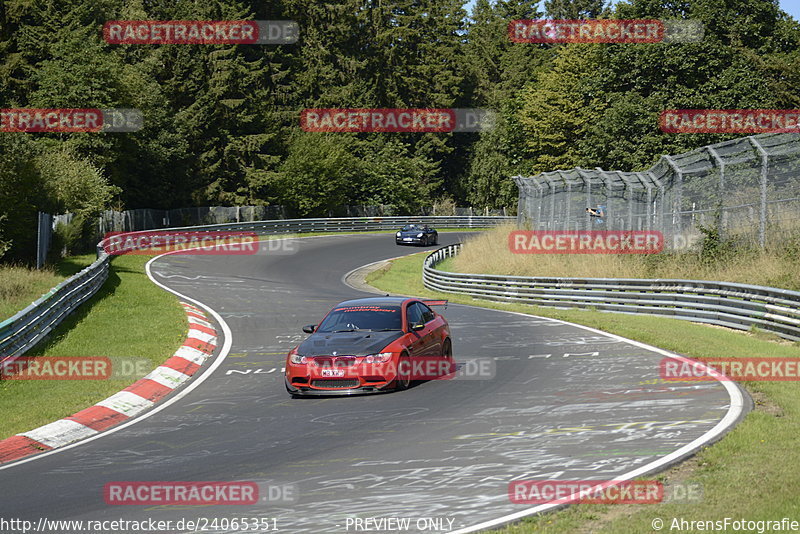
[[447, 357], [403, 379], [447, 349]]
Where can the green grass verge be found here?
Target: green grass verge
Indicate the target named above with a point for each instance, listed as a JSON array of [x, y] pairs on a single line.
[[128, 317], [752, 473]]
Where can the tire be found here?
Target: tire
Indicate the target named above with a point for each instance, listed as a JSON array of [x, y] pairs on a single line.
[[435, 239], [447, 349], [447, 356], [401, 384]]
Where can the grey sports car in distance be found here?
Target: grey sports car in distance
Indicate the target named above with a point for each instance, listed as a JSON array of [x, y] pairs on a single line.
[[417, 234]]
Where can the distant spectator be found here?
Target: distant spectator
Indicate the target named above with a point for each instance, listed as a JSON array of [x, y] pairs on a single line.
[[598, 214]]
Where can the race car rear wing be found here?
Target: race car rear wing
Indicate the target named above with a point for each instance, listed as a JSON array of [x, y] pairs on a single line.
[[435, 302]]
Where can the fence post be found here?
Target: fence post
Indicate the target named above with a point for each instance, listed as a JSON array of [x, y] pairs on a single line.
[[44, 233], [720, 219], [609, 185], [540, 199], [762, 216], [552, 192], [676, 210]]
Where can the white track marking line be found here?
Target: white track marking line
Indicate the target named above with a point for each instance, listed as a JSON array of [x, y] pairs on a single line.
[[734, 412], [226, 347]]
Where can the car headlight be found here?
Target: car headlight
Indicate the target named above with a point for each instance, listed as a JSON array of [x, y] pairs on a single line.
[[296, 358], [381, 357], [398, 234], [419, 234]]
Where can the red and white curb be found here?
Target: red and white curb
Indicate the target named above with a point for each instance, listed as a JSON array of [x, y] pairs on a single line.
[[133, 400]]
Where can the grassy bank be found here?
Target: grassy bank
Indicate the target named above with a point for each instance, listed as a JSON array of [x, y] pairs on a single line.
[[129, 317], [19, 286], [750, 473], [489, 253]]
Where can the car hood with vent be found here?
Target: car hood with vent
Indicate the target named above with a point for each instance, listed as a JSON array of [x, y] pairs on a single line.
[[347, 343]]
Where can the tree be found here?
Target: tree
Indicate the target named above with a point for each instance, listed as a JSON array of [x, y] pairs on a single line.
[[560, 109], [573, 9], [20, 196], [498, 71], [313, 179]]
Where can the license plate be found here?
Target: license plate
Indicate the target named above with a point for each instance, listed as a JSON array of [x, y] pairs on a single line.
[[333, 372], [408, 238]]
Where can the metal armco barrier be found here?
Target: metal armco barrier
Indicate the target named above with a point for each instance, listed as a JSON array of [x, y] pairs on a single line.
[[351, 224], [739, 306], [28, 327]]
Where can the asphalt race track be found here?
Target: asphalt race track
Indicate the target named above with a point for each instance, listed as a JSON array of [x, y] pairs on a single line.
[[592, 409]]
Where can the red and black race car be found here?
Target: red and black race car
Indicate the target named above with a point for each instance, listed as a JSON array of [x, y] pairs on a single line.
[[371, 345]]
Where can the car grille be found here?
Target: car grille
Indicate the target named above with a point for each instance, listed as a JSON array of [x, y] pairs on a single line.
[[335, 361], [336, 383]]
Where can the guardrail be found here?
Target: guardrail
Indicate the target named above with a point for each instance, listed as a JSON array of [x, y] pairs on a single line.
[[28, 327], [739, 306], [351, 224]]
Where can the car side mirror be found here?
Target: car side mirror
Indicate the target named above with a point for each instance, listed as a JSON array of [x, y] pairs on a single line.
[[309, 329], [417, 326]]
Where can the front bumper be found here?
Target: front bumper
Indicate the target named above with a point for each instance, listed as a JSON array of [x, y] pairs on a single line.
[[409, 241], [339, 392]]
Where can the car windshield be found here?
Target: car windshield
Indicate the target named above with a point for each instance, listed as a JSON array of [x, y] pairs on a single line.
[[410, 228], [352, 318]]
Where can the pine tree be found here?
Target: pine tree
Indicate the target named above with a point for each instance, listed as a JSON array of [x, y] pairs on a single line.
[[573, 9]]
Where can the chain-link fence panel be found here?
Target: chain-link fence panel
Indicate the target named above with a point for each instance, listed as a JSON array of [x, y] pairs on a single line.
[[747, 188]]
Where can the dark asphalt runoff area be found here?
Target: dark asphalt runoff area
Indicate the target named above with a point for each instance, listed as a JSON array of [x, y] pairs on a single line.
[[564, 402]]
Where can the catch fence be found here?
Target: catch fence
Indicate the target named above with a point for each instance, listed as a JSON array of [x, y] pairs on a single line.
[[748, 189]]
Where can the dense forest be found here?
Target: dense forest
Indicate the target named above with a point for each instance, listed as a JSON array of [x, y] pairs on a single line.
[[221, 122]]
